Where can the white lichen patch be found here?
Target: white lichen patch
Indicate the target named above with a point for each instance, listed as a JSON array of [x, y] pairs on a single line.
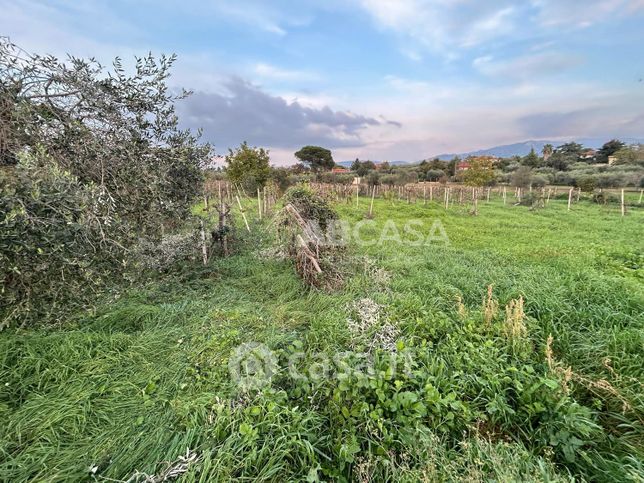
[[368, 326]]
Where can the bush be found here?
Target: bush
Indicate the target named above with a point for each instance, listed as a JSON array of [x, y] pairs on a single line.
[[334, 178], [248, 166], [165, 254], [373, 178], [531, 199], [58, 242], [587, 183], [434, 174], [97, 159], [564, 178], [108, 128], [310, 205], [538, 181], [612, 180], [602, 197], [522, 177]]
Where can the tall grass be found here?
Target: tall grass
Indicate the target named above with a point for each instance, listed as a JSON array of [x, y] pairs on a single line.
[[129, 389]]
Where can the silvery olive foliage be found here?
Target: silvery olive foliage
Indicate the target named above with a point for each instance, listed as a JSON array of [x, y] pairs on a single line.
[[106, 127], [91, 161], [165, 254], [58, 242]]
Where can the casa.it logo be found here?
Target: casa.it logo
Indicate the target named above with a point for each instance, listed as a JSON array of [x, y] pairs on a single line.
[[252, 365]]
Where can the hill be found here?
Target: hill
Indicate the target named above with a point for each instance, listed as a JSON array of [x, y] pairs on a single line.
[[523, 148]]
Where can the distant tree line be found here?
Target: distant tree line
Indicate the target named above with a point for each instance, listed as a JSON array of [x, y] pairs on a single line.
[[567, 164]]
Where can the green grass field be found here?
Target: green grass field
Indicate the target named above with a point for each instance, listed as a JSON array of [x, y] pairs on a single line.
[[134, 386]]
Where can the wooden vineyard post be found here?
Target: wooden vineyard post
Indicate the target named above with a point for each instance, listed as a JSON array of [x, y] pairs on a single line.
[[431, 192], [373, 195], [204, 247], [569, 198], [446, 198], [548, 198], [475, 195], [519, 195], [640, 200], [357, 194], [424, 194], [488, 194], [265, 204], [622, 203], [241, 209], [578, 194], [223, 240], [504, 194], [205, 202], [259, 203]]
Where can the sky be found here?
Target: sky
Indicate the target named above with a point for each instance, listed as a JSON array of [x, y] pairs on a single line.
[[370, 79]]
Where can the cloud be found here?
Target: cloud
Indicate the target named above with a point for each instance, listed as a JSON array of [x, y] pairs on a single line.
[[90, 30], [274, 18], [545, 124], [527, 66], [582, 13], [441, 106], [411, 54], [592, 121], [252, 14], [245, 112], [443, 25], [447, 26], [269, 71]]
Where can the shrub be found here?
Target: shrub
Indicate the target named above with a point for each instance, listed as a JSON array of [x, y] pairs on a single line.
[[248, 166], [587, 183], [58, 242], [522, 177], [434, 174], [303, 236], [531, 199], [602, 197], [373, 178], [111, 128], [538, 181], [310, 205], [563, 178], [163, 255]]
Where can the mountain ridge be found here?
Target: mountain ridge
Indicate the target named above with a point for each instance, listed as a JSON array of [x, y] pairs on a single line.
[[508, 150], [523, 148]]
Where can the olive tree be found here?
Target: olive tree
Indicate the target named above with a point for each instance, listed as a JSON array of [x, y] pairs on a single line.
[[115, 130], [91, 160]]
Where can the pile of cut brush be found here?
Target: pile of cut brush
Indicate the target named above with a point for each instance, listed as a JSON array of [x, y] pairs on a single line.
[[307, 229]]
